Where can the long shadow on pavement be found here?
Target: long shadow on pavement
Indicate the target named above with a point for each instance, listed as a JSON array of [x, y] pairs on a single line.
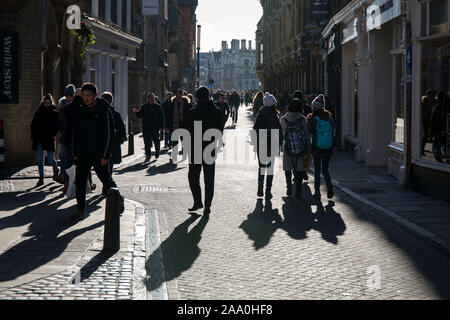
[[182, 245], [43, 244]]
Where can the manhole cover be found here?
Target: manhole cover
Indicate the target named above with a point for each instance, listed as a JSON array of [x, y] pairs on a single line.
[[151, 189]]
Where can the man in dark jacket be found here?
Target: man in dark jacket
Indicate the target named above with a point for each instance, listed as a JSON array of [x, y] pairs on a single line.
[[166, 111], [177, 109], [224, 107], [120, 134], [152, 122], [93, 132], [210, 117]]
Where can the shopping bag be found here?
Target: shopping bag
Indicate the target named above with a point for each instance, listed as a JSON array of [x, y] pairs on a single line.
[[71, 192]]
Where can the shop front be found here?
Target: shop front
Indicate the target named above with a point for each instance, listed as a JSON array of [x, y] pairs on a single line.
[[430, 102]]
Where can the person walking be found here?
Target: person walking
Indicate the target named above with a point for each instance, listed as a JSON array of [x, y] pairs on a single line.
[[152, 122], [120, 132], [235, 101], [322, 129], [296, 144], [93, 132], [224, 107], [267, 121], [69, 95], [180, 104], [216, 95], [167, 129], [211, 117], [44, 128], [257, 102], [306, 110]]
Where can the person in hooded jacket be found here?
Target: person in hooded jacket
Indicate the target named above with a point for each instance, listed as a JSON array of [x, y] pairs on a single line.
[[321, 156], [294, 165], [44, 128], [211, 117], [120, 134], [93, 136], [266, 122]]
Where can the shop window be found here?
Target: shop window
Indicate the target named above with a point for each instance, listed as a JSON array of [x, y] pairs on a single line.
[[114, 11], [434, 17], [435, 115], [398, 105]]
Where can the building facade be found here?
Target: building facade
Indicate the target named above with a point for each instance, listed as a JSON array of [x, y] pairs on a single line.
[[38, 55], [233, 68], [118, 37], [182, 44]]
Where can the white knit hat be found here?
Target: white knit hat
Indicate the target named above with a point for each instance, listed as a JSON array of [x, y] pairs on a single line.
[[269, 100]]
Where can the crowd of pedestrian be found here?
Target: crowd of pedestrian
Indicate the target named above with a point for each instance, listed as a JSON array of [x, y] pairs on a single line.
[[90, 132]]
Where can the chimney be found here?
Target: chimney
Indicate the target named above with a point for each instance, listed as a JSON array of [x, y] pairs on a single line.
[[250, 45], [224, 46], [243, 44], [235, 45]]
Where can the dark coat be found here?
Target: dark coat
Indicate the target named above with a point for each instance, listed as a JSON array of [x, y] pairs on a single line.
[[267, 119], [93, 131], [44, 127], [152, 118], [68, 115], [170, 112], [225, 108], [438, 122], [120, 136], [210, 116], [235, 100], [312, 125]]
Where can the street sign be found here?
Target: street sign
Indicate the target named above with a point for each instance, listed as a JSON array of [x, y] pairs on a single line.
[[9, 67], [409, 64]]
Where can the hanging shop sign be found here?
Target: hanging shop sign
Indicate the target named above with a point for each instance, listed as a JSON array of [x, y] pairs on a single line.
[[382, 11], [150, 7], [350, 32], [9, 67]]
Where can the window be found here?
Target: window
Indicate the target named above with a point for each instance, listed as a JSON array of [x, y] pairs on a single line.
[[434, 17], [114, 11], [398, 105], [101, 9], [435, 104], [124, 14]]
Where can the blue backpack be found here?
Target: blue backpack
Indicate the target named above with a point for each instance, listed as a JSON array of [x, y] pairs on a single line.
[[324, 134], [295, 140]]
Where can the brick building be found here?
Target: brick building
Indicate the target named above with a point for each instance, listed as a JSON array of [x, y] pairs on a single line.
[[43, 58]]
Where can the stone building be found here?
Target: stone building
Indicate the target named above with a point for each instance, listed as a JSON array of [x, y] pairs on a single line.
[[39, 55], [118, 33], [234, 68], [182, 44], [288, 44]]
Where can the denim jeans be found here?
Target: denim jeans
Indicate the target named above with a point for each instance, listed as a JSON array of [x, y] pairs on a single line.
[[321, 164], [40, 159]]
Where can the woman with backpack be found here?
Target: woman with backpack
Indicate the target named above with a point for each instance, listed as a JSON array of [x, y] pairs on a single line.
[[44, 128], [322, 129], [296, 145], [267, 121]]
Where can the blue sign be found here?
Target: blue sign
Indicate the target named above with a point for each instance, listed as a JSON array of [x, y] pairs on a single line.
[[409, 58]]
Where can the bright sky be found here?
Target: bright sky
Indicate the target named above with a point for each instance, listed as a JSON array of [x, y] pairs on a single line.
[[227, 20]]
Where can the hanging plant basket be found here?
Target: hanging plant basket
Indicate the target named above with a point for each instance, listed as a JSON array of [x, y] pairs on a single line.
[[85, 35]]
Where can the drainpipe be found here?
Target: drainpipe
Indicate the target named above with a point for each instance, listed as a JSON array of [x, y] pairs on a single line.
[[44, 46]]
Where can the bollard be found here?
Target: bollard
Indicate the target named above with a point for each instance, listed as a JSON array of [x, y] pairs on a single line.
[[130, 139], [111, 236]]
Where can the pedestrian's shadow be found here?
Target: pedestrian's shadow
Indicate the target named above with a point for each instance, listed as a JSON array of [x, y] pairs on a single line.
[[43, 243], [182, 248], [297, 218], [329, 223], [162, 169], [261, 224], [133, 168]]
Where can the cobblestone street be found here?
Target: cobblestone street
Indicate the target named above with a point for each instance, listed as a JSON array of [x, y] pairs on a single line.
[[246, 249]]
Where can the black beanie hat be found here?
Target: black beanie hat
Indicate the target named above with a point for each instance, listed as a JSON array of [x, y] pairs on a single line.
[[202, 93]]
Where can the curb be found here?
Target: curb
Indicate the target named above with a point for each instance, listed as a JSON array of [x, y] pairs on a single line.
[[424, 234], [139, 253]]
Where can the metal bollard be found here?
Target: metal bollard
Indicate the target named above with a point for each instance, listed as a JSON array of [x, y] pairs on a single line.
[[111, 236], [130, 139]]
